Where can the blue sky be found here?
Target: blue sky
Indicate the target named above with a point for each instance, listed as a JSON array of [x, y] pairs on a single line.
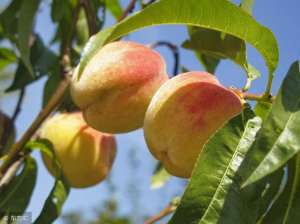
[[282, 17]]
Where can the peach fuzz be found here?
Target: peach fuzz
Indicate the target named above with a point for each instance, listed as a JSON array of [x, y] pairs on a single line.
[[117, 85], [86, 155], [183, 114]]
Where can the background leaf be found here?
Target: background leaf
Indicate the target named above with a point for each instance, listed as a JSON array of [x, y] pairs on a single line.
[[203, 13], [25, 25], [279, 139], [217, 45], [43, 61], [213, 194], [160, 177]]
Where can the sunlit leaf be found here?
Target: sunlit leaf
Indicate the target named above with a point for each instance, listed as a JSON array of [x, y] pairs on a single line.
[[279, 138], [203, 13], [213, 194]]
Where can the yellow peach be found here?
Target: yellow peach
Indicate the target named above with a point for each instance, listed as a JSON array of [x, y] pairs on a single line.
[[117, 85], [86, 155], [183, 114]]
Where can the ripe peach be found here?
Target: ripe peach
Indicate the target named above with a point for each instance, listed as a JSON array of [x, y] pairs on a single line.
[[117, 85], [183, 114], [86, 155]]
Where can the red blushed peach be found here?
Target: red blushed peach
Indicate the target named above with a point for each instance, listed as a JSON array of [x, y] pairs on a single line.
[[117, 85], [183, 114], [86, 155]]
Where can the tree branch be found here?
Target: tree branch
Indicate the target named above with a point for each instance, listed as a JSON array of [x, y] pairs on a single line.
[[128, 10], [91, 16], [12, 155], [174, 50], [166, 211]]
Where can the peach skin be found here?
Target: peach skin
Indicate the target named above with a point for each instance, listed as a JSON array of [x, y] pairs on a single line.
[[183, 114], [86, 155], [117, 85]]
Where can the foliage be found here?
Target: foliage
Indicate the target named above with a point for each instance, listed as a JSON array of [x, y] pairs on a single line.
[[248, 170]]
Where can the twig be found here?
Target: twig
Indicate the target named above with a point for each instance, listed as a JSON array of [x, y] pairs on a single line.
[[174, 50], [166, 211], [18, 146], [18, 106], [91, 16], [144, 5], [128, 10]]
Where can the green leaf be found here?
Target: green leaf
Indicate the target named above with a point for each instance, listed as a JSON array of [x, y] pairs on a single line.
[[16, 196], [9, 19], [59, 193], [209, 62], [279, 139], [262, 109], [247, 5], [43, 60], [271, 192], [114, 7], [214, 43], [213, 194], [25, 25], [285, 210], [208, 14], [160, 177], [45, 147], [7, 56], [58, 9], [53, 205]]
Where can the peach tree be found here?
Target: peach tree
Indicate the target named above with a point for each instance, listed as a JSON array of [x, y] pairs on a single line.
[[238, 150]]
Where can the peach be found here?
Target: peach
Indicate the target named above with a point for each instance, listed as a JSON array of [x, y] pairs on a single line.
[[117, 85], [183, 114], [86, 155]]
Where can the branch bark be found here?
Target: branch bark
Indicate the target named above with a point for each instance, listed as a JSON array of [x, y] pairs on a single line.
[[128, 10], [166, 211]]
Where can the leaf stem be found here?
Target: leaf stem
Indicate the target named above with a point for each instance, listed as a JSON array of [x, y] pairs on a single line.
[[267, 93]]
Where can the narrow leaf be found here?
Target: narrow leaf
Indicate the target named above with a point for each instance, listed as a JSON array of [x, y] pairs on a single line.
[[213, 194], [247, 5], [43, 60], [7, 57], [208, 14], [25, 25], [53, 205], [285, 210], [214, 43], [279, 138], [16, 196], [114, 7]]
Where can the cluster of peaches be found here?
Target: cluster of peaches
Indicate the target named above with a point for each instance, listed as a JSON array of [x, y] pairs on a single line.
[[124, 87]]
